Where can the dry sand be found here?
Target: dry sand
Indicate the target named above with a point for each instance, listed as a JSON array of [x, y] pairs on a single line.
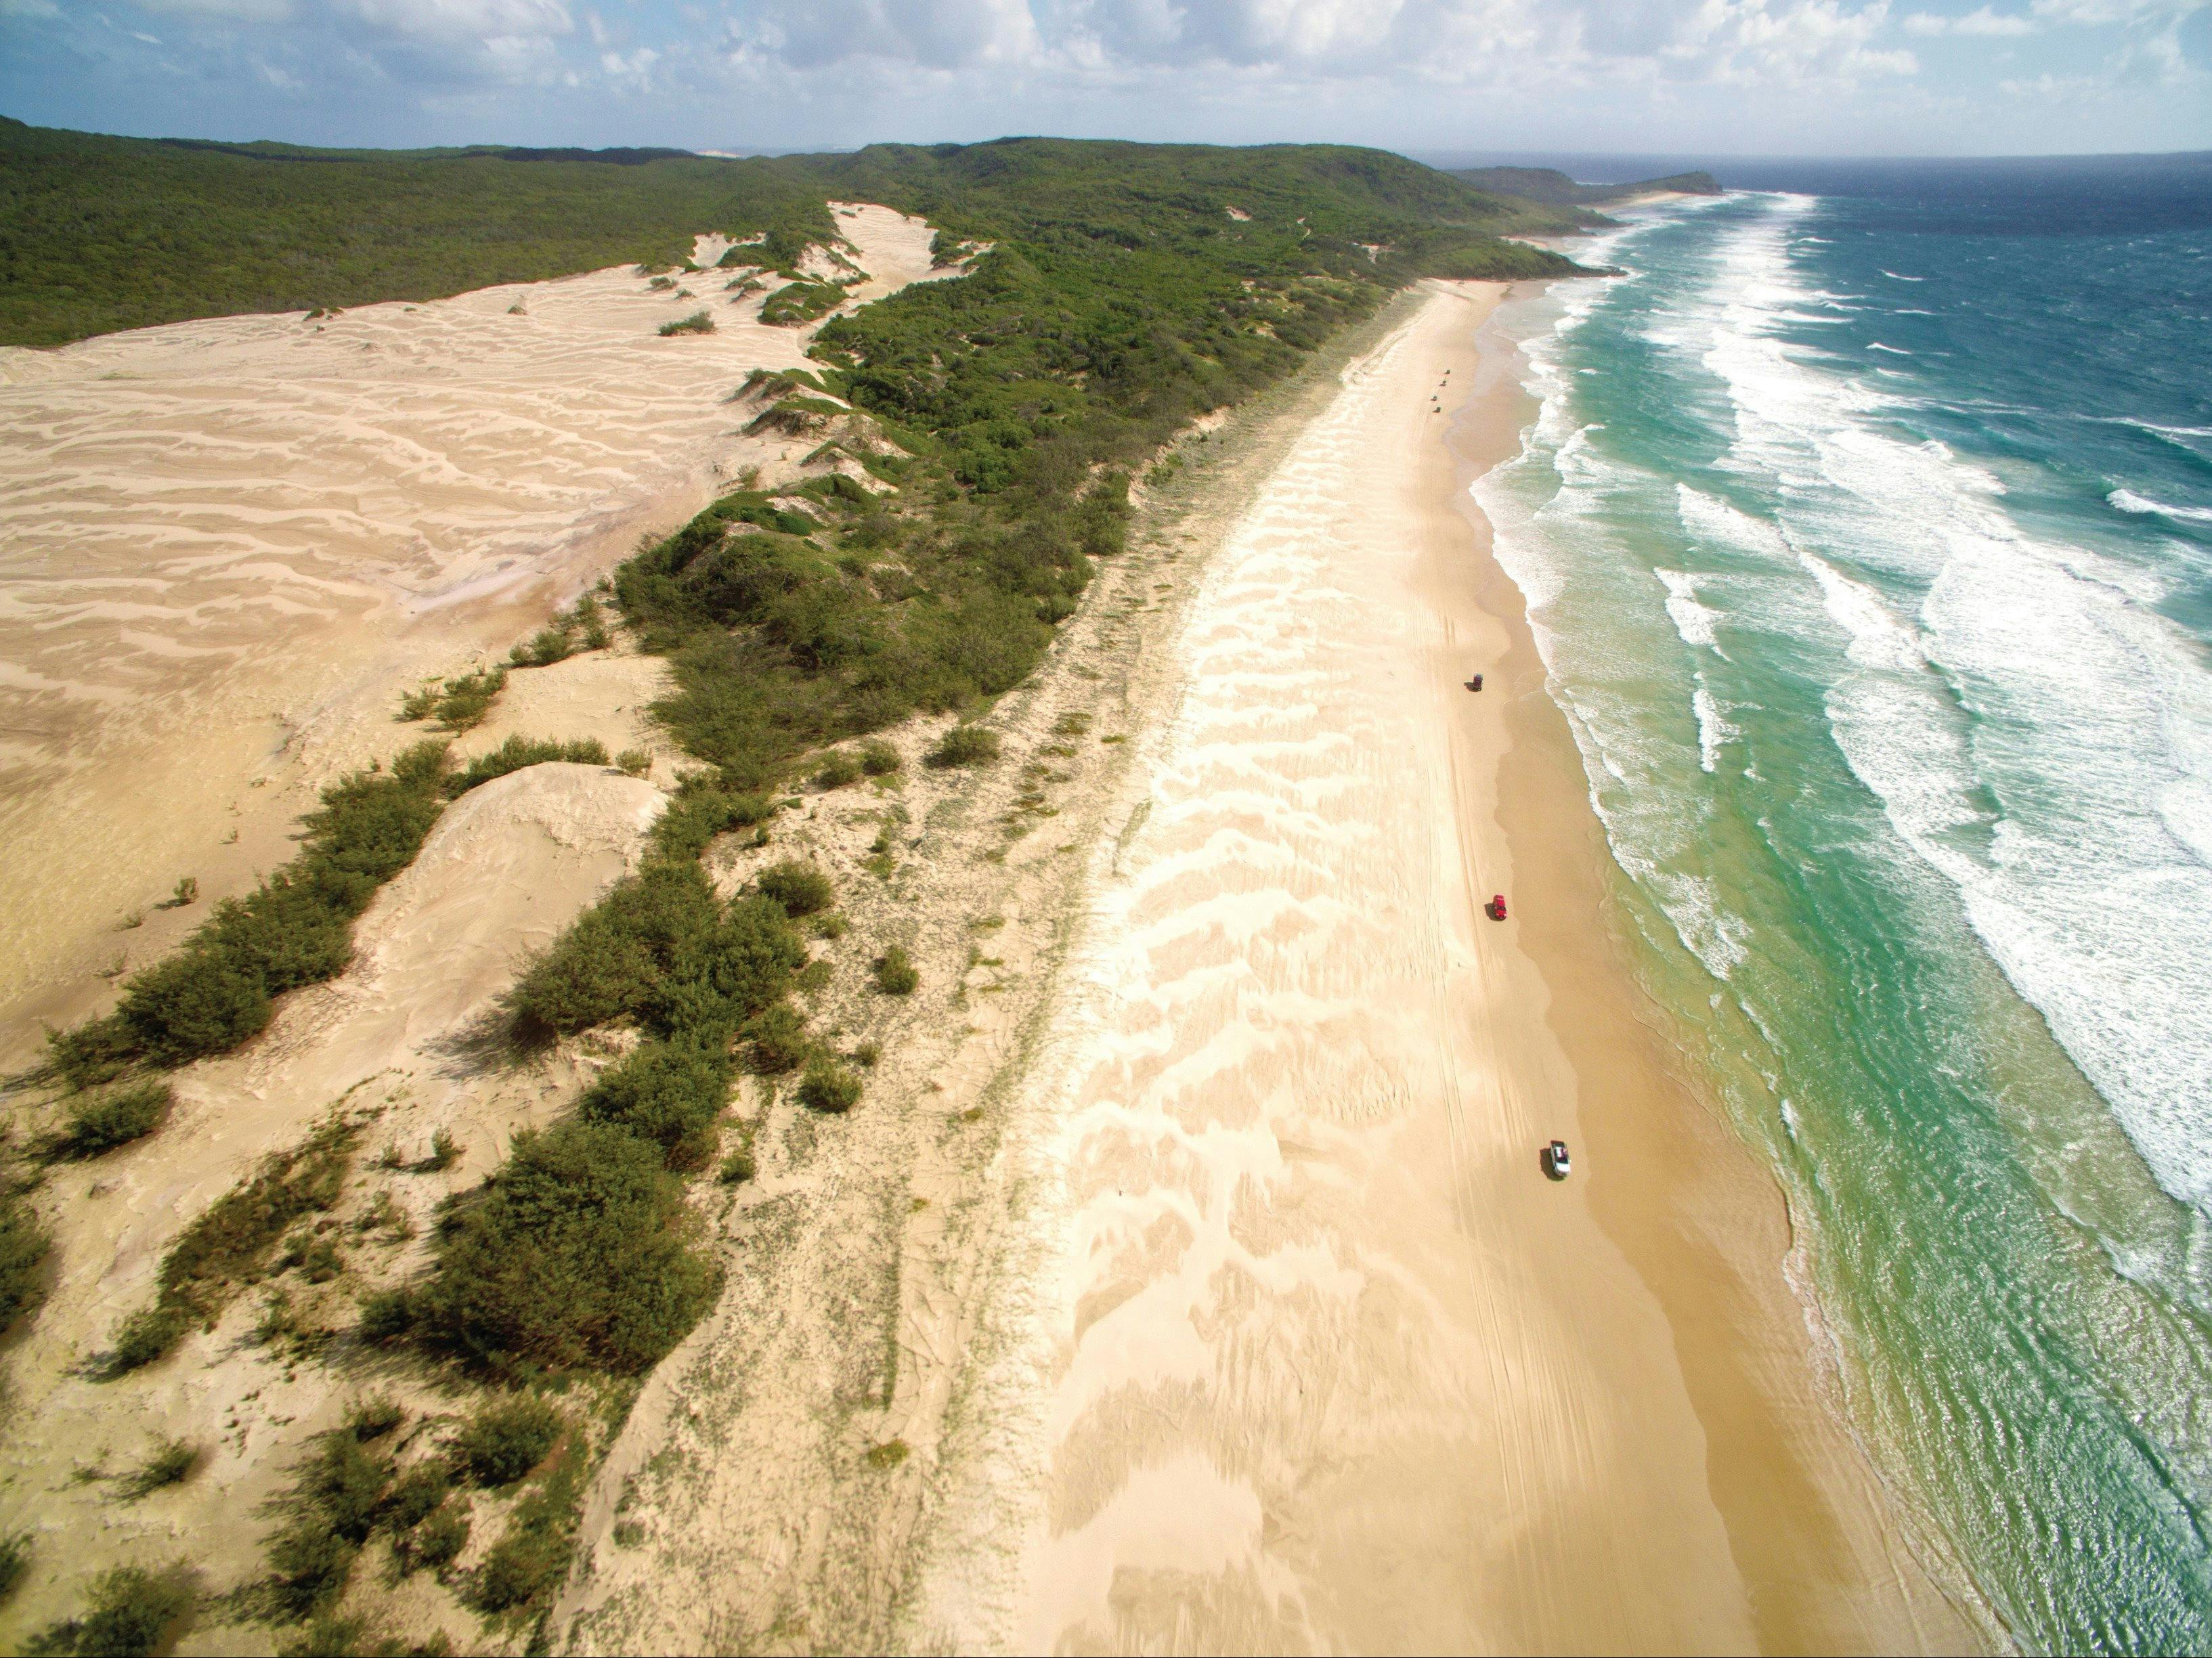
[[227, 546], [1293, 1347]]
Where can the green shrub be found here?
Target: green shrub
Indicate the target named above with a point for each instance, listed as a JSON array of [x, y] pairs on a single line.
[[837, 769], [24, 1246], [895, 972], [801, 302], [828, 1086], [309, 1564], [506, 1441], [386, 1315], [98, 1123], [779, 1041], [547, 647], [437, 1541], [372, 1418], [14, 1562], [697, 323], [133, 1612], [415, 1496], [878, 758], [964, 745], [579, 1253], [662, 946], [519, 1567], [737, 1168], [295, 929], [635, 762], [801, 888], [229, 1246], [175, 1462], [147, 1335], [517, 752]]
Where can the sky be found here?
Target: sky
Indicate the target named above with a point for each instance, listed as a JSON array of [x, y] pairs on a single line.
[[1714, 77]]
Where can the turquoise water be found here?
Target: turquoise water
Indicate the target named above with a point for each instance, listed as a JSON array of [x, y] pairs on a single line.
[[1868, 536]]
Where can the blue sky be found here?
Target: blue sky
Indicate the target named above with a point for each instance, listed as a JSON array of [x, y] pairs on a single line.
[[1712, 76]]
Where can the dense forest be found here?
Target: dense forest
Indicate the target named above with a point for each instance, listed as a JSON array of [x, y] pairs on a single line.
[[99, 234]]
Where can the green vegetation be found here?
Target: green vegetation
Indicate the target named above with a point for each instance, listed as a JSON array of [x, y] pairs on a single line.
[[24, 1246], [1556, 189], [104, 234], [132, 1612], [839, 769], [801, 888], [799, 302], [878, 758], [14, 1561], [97, 1123], [459, 704], [634, 762], [517, 752], [964, 745], [895, 972], [506, 1441], [579, 1253], [336, 1502], [828, 1086], [295, 929], [175, 1463], [229, 1247], [697, 323]]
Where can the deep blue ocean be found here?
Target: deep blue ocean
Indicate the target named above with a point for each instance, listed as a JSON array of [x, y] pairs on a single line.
[[1867, 528]]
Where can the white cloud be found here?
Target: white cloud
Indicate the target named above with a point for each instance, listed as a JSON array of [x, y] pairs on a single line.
[[241, 11], [1982, 22], [485, 21]]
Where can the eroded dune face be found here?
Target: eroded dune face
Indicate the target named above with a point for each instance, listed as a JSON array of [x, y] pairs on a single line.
[[226, 545]]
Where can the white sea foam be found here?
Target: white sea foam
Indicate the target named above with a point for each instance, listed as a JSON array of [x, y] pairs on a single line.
[[2128, 502], [1988, 668], [1693, 620], [1897, 277], [1894, 350], [1713, 730]]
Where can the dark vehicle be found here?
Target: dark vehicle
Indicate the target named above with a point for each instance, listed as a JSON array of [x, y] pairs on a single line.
[[1557, 1163], [1475, 684]]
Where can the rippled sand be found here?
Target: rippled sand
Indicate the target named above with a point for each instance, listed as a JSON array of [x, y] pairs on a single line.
[[226, 545]]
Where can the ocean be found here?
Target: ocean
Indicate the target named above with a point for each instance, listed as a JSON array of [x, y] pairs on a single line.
[[1867, 532]]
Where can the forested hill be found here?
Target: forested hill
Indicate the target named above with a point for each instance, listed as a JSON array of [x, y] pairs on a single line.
[[99, 234], [1555, 189]]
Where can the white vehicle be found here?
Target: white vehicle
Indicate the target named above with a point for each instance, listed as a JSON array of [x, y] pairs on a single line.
[[1557, 1163]]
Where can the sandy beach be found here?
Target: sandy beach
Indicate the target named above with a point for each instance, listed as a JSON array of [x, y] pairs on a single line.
[[1294, 1346]]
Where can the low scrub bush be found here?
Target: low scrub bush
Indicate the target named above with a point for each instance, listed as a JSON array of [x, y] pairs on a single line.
[[14, 1561], [697, 323], [895, 972], [662, 946], [778, 1040], [517, 752], [175, 1462], [837, 769], [635, 763], [24, 1246], [801, 888], [580, 1252], [506, 1441], [440, 1538], [459, 704], [798, 303], [229, 1247], [132, 1612], [415, 1496], [878, 758], [297, 928], [100, 1122], [667, 1092], [964, 745], [828, 1086], [372, 1418]]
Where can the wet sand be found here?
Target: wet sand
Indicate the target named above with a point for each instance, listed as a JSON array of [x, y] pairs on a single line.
[[1306, 1352]]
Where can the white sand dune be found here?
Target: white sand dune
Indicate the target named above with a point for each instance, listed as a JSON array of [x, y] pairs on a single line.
[[226, 545]]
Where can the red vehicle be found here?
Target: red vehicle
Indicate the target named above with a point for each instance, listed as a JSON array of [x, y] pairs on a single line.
[[1497, 906]]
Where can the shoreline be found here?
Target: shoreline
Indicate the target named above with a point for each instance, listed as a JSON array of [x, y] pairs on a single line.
[[1810, 1526], [1287, 1343]]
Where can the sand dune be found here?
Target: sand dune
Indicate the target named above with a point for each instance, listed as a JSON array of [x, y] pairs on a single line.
[[506, 869], [226, 545]]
